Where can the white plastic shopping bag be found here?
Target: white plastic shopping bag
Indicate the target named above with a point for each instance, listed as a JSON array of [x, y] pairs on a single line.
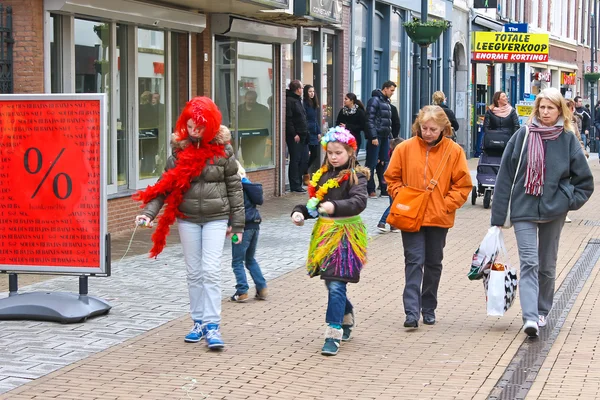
[[499, 280], [486, 254]]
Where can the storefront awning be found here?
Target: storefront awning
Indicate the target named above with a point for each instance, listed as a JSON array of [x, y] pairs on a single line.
[[489, 23], [132, 11], [227, 25]]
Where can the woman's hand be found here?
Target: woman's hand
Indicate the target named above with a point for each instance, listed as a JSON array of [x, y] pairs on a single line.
[[298, 219], [143, 220], [327, 208]]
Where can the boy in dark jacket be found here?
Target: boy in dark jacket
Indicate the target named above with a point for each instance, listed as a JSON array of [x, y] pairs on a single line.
[[244, 252]]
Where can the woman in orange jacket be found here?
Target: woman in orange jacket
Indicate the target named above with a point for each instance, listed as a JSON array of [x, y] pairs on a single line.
[[414, 163]]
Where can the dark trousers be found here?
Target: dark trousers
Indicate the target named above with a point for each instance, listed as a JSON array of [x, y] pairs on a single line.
[[379, 170], [375, 154], [298, 158], [313, 158], [423, 255]]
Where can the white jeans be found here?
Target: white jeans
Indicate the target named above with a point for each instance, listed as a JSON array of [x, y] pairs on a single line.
[[202, 248]]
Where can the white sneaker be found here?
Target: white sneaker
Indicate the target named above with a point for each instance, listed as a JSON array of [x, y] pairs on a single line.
[[568, 220], [531, 329], [542, 321]]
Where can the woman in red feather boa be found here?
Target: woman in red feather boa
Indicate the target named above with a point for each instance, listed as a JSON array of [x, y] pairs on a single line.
[[202, 190]]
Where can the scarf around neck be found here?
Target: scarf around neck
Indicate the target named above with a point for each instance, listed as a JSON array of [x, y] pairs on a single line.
[[503, 111], [536, 157], [350, 111], [174, 183]]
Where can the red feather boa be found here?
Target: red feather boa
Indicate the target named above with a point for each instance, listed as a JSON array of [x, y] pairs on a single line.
[[173, 184]]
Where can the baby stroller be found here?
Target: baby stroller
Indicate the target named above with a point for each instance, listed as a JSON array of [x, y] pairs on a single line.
[[494, 143]]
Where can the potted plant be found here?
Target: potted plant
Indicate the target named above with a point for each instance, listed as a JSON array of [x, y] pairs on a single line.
[[592, 76], [425, 33]]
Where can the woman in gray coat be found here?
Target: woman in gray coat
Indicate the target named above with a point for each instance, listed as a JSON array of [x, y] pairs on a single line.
[[541, 198]]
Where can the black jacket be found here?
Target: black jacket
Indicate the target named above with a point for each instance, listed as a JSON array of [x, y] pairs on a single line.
[[253, 196], [585, 118], [493, 123], [379, 116], [451, 116], [355, 123], [349, 200], [295, 117], [395, 122]]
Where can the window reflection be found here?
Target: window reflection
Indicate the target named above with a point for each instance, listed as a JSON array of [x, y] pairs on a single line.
[[92, 67], [151, 109], [255, 94]]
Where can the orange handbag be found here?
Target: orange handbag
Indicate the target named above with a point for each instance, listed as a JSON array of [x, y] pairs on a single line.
[[408, 209]]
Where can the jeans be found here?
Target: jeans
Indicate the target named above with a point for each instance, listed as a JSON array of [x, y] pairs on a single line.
[[338, 304], [375, 154], [202, 248], [584, 139], [298, 162], [386, 212], [244, 252], [423, 255], [538, 265]]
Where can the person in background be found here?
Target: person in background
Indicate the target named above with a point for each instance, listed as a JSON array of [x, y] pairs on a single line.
[[553, 178], [352, 117], [381, 226], [244, 252], [296, 135], [382, 164], [253, 117], [500, 116], [577, 125], [430, 151], [439, 99], [378, 129], [203, 191], [584, 113], [311, 107]]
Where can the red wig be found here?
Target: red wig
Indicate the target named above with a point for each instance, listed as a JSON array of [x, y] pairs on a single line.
[[204, 112]]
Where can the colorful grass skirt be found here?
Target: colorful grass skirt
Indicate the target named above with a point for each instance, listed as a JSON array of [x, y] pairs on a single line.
[[338, 249]]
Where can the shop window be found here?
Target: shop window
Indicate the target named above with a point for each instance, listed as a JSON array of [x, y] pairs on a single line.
[[123, 117], [395, 57], [92, 67], [152, 134], [55, 53], [360, 24], [255, 93], [328, 86]]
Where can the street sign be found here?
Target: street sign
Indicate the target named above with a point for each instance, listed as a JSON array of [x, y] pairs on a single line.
[[588, 68], [52, 183], [516, 28]]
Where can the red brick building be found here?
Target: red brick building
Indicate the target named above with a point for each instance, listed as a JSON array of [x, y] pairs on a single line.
[[151, 57]]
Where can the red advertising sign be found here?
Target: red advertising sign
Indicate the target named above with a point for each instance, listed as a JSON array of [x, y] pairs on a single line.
[[51, 184]]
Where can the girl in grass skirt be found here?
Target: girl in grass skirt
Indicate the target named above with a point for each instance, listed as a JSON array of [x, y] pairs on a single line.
[[337, 195]]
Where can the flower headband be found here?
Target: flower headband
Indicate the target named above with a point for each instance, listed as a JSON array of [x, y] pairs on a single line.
[[339, 134]]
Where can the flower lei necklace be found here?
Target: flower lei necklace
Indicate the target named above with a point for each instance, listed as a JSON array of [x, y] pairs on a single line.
[[317, 196]]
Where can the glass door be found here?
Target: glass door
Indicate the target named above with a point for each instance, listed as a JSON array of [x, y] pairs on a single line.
[[327, 82]]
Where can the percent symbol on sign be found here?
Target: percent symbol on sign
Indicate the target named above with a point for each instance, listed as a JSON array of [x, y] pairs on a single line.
[[38, 167]]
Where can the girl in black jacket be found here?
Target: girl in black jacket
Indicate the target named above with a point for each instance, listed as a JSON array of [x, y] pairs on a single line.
[[337, 252], [352, 117]]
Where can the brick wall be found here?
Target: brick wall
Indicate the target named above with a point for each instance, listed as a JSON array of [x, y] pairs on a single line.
[[203, 69], [28, 50], [343, 55]]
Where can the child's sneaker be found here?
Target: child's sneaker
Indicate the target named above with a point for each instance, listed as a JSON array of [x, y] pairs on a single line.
[[195, 334], [213, 337], [261, 294], [347, 326], [381, 228], [333, 338], [239, 298]]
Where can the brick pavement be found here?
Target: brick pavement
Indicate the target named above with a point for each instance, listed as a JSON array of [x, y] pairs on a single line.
[[273, 347]]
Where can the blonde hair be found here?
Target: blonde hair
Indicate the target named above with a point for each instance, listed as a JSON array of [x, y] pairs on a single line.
[[555, 97], [241, 171], [438, 98], [435, 114]]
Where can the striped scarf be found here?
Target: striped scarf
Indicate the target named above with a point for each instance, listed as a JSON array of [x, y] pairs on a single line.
[[536, 164]]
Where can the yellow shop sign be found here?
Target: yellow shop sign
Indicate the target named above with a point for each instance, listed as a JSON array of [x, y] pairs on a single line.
[[510, 47]]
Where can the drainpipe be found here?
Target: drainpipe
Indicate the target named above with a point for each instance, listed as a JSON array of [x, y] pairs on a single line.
[[424, 67]]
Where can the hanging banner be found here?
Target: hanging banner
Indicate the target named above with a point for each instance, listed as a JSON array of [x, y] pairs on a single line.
[[510, 47], [568, 78], [52, 183]]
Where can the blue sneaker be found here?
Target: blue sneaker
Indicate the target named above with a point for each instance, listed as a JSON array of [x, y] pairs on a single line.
[[196, 334], [333, 337], [213, 337]]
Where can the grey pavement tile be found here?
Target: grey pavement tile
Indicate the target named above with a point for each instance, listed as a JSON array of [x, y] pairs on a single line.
[[8, 383], [145, 293]]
